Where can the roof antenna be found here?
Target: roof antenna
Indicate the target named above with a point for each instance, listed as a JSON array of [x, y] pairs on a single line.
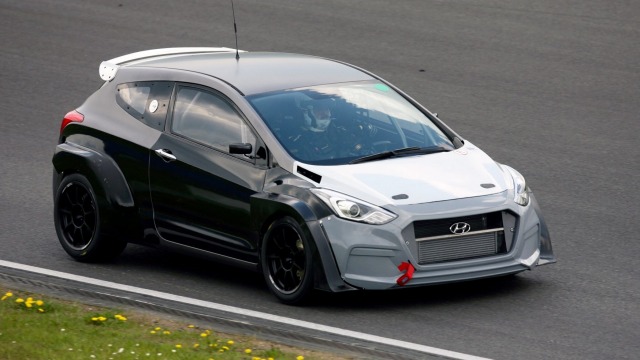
[[235, 29]]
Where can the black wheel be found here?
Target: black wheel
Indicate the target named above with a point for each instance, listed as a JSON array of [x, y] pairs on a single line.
[[78, 222], [287, 261]]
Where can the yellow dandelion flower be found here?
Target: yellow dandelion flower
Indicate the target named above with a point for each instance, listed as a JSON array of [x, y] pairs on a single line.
[[178, 346], [28, 304], [221, 350], [300, 357], [152, 332], [196, 345], [247, 351], [120, 317], [39, 302], [204, 335], [29, 299], [94, 319], [40, 310], [191, 326], [225, 348], [208, 332], [8, 294], [230, 342], [102, 318], [157, 329], [167, 332], [19, 300]]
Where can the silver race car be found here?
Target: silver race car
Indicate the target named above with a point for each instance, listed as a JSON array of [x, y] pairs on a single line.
[[317, 173]]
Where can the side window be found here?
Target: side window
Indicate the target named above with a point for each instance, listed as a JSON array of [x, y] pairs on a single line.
[[208, 118], [146, 101]]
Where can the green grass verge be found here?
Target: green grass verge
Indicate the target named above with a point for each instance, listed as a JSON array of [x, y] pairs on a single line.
[[35, 328]]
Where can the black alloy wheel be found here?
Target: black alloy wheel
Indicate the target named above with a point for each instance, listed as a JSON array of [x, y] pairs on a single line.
[[287, 261], [78, 221], [78, 215]]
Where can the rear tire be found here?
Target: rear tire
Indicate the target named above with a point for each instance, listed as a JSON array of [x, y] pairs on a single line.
[[79, 222], [287, 256]]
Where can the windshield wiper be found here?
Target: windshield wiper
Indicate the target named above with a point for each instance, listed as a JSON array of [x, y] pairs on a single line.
[[413, 150]]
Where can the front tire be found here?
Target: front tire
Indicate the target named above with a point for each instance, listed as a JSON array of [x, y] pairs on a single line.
[[287, 255], [79, 222]]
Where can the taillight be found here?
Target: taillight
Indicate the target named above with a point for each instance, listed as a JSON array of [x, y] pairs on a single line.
[[72, 116]]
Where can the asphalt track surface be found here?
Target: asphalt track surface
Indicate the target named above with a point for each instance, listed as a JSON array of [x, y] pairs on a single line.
[[549, 87]]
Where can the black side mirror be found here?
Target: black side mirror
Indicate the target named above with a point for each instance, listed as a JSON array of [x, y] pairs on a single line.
[[243, 149]]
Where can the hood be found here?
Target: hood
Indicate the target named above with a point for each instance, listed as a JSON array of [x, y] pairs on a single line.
[[462, 173]]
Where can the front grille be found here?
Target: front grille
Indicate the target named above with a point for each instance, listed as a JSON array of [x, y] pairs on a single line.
[[436, 243], [457, 248], [429, 228]]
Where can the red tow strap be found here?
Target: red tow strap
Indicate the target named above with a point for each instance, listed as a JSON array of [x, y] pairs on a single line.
[[408, 270]]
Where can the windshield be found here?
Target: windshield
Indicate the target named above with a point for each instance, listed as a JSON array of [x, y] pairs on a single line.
[[340, 123]]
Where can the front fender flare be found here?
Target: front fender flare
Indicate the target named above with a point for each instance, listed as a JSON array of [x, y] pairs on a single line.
[[546, 250], [267, 207]]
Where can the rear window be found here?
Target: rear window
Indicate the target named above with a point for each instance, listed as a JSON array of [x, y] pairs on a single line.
[[146, 101]]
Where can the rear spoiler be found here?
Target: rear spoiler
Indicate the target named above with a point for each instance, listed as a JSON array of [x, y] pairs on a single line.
[[109, 68]]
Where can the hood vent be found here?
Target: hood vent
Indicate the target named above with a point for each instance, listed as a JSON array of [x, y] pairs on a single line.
[[309, 174]]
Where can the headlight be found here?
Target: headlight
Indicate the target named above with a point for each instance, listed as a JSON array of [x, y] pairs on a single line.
[[519, 186], [349, 208]]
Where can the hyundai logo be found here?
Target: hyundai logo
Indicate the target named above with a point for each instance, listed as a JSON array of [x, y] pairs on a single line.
[[460, 228]]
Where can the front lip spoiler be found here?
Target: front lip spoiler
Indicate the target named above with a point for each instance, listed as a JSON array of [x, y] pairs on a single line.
[[532, 260]]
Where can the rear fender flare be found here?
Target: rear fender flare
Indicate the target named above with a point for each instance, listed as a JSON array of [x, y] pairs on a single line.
[[102, 171]]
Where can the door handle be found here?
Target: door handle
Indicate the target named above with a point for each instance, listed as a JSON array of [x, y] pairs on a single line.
[[165, 154]]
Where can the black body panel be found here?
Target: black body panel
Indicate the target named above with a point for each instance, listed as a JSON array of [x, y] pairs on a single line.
[[201, 199], [205, 201]]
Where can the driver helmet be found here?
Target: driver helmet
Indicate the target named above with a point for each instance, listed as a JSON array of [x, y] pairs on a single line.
[[318, 115]]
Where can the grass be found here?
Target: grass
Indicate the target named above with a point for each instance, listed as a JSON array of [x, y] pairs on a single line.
[[35, 328]]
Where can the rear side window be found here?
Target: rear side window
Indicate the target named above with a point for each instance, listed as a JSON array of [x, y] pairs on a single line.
[[146, 101]]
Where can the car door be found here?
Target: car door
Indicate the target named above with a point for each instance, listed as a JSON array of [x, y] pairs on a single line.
[[199, 190]]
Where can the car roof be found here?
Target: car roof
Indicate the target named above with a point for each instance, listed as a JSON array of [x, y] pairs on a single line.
[[260, 72]]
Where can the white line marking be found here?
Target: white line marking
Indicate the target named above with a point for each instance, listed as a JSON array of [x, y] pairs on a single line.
[[245, 312]]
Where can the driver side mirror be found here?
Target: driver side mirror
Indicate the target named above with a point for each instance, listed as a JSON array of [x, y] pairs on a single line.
[[242, 148]]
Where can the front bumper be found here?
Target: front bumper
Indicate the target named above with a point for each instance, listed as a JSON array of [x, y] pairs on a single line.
[[368, 256]]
